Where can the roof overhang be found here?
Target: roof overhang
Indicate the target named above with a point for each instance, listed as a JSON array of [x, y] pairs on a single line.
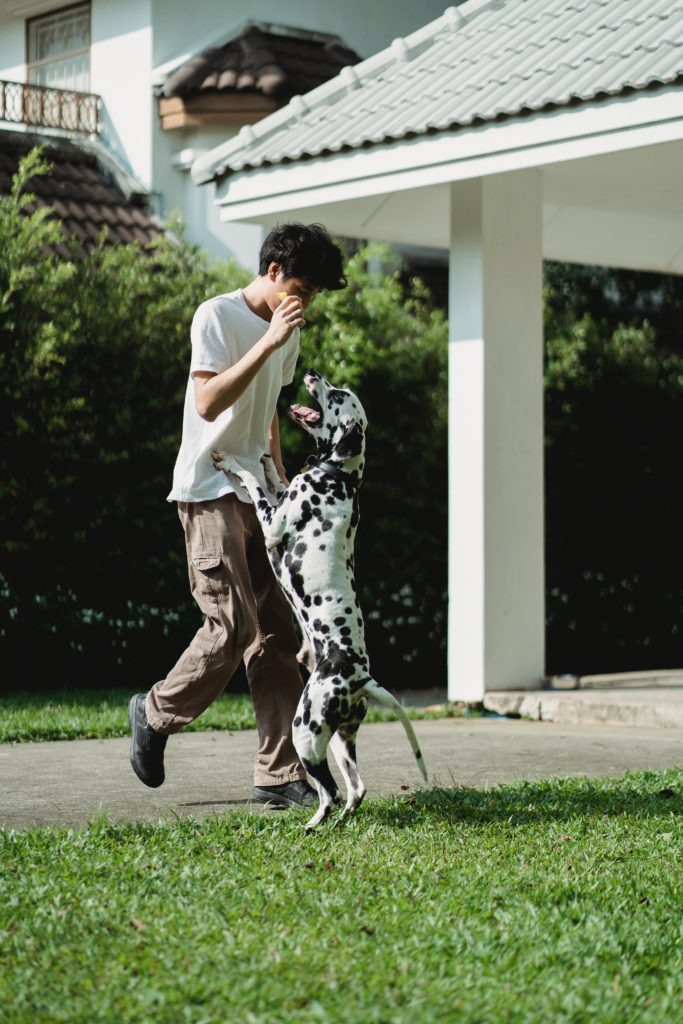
[[222, 108], [612, 169]]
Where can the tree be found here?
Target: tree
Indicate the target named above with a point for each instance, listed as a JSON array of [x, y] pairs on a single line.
[[614, 403]]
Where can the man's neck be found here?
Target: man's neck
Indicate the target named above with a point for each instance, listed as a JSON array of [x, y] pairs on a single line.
[[254, 298]]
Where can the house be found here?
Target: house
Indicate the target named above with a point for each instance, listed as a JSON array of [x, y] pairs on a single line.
[[148, 86], [503, 132]]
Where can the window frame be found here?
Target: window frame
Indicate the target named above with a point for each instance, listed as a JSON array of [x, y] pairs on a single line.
[[45, 61]]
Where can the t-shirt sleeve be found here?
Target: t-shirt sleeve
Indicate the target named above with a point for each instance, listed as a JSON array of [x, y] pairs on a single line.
[[211, 348], [291, 356]]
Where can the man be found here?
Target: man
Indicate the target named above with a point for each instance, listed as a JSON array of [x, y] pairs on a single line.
[[244, 350]]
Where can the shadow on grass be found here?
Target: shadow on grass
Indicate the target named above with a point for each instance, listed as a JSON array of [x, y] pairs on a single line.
[[636, 795]]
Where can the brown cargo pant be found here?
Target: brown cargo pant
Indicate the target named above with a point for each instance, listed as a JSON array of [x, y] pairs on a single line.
[[247, 616]]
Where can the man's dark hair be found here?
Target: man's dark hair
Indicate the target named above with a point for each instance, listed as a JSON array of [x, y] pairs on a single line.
[[304, 250]]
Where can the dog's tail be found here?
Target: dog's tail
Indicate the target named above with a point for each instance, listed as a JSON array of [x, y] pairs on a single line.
[[373, 689]]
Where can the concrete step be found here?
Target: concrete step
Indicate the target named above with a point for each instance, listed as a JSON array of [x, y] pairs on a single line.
[[647, 705]]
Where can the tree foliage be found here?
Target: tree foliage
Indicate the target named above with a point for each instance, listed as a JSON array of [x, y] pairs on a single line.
[[614, 404]]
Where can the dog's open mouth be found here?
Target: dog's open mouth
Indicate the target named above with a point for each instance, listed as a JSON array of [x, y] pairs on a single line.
[[305, 414]]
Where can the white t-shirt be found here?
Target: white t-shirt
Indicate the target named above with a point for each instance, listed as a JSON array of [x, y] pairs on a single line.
[[223, 331]]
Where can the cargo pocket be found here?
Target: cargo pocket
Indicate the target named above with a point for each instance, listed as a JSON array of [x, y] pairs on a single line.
[[205, 573], [206, 562]]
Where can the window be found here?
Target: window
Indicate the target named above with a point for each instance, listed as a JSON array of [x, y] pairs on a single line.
[[58, 49]]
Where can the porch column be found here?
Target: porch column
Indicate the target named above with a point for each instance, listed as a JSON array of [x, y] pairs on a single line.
[[496, 571]]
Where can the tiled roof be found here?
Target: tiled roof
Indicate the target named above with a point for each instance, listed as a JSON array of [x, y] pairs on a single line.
[[261, 61], [478, 62], [83, 192]]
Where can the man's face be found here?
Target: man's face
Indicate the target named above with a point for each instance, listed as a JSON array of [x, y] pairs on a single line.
[[299, 286]]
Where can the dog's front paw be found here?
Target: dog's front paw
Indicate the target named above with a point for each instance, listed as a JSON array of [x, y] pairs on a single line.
[[228, 464], [273, 482]]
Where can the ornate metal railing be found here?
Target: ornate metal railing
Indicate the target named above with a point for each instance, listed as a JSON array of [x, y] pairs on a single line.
[[44, 107]]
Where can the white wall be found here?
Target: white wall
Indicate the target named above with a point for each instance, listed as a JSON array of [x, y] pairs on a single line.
[[12, 47], [364, 25], [121, 63], [178, 193]]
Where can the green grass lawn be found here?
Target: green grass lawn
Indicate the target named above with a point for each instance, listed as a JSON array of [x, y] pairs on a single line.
[[548, 903], [101, 714]]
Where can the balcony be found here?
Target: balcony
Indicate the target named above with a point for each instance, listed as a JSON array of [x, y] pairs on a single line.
[[42, 107]]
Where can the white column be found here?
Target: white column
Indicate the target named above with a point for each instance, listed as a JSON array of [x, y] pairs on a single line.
[[496, 573]]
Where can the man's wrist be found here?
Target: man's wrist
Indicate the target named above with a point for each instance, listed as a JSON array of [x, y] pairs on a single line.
[[269, 343], [280, 469]]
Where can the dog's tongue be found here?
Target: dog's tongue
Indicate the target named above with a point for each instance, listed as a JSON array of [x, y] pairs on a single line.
[[310, 415]]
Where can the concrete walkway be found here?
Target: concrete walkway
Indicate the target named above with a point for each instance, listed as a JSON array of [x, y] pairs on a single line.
[[70, 782]]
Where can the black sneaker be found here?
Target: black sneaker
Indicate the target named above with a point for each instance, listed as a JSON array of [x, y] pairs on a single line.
[[288, 794], [146, 745]]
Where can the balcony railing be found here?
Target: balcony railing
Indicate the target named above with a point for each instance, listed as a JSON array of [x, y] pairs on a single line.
[[44, 107]]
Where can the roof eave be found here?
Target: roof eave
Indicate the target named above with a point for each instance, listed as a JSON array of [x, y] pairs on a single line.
[[549, 136]]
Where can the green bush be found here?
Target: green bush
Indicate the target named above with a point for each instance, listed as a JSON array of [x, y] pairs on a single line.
[[614, 404]]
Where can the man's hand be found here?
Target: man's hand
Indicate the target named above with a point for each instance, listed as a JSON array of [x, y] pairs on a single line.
[[286, 318]]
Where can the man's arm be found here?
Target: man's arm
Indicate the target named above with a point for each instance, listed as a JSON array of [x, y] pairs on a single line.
[[275, 450], [216, 392]]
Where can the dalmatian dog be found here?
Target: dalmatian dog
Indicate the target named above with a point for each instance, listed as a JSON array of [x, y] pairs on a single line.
[[309, 529]]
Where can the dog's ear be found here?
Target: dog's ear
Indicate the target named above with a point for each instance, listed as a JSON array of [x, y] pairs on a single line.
[[350, 444]]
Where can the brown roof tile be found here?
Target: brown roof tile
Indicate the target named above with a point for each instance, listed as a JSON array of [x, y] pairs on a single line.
[[91, 230], [123, 215], [75, 209], [81, 191], [276, 65]]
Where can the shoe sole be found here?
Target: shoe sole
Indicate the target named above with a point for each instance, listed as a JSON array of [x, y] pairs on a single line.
[[131, 721]]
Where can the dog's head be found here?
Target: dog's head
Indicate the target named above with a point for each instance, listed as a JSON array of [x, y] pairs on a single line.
[[336, 420]]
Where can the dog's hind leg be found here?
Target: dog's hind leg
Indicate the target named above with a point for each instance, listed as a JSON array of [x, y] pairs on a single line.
[[343, 746], [312, 750], [328, 794]]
